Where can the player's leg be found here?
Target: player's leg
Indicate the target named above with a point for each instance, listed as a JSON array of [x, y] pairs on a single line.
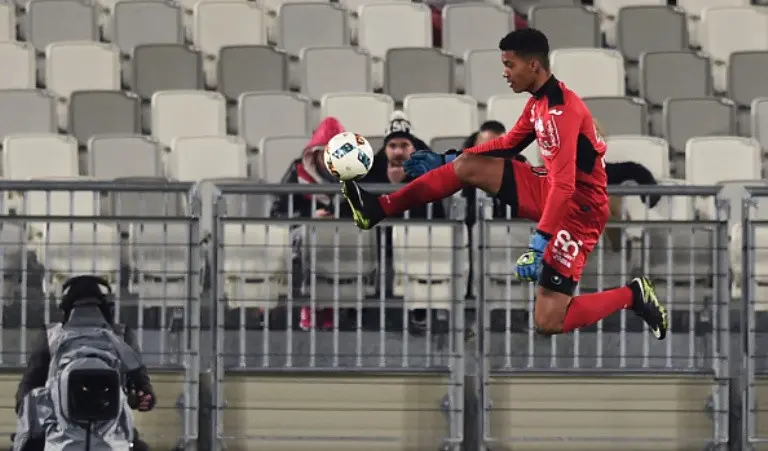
[[466, 170], [557, 310]]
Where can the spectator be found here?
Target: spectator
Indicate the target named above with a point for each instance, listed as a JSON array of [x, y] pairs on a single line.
[[399, 143], [310, 169]]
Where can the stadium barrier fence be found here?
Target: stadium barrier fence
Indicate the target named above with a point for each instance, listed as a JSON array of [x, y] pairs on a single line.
[[429, 346]]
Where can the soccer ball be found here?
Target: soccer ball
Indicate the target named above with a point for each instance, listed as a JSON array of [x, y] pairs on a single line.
[[348, 156]]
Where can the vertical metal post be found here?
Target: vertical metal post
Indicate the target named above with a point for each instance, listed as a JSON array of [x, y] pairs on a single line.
[[482, 322], [725, 364], [190, 344], [746, 377]]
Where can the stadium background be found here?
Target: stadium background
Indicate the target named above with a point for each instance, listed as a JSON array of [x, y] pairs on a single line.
[[112, 115]]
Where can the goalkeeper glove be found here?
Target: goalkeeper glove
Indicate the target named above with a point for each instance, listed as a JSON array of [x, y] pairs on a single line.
[[423, 161], [529, 264]]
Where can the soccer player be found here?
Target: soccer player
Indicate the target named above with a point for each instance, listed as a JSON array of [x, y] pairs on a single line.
[[567, 197]]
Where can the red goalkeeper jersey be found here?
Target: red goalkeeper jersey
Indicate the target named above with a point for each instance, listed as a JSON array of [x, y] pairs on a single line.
[[571, 148]]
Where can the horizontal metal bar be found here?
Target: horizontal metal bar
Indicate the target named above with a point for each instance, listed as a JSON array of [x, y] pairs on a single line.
[[97, 219], [612, 372], [383, 188], [96, 185], [757, 191], [342, 221], [389, 371], [621, 224]]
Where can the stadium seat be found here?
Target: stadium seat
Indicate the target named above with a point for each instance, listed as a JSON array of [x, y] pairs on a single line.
[[116, 156], [143, 203], [49, 21], [672, 74], [34, 156], [482, 75], [256, 261], [505, 241], [507, 108], [728, 30], [714, 159], [425, 266], [650, 151], [693, 10], [160, 67], [634, 36], [759, 271], [103, 112], [445, 143], [346, 107], [320, 72], [244, 68], [262, 114], [759, 121], [461, 30], [304, 25], [619, 115], [273, 6], [590, 72], [435, 115], [71, 247], [194, 158], [65, 70], [609, 11], [138, 22], [27, 111], [20, 56], [567, 26], [160, 255], [223, 23], [747, 82], [182, 114], [276, 155], [688, 118], [417, 70], [344, 262], [523, 7], [7, 22]]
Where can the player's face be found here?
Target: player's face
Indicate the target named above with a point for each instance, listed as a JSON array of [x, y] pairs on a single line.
[[519, 72], [398, 150]]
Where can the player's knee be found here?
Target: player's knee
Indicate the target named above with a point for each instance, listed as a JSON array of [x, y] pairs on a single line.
[[548, 315], [467, 168]]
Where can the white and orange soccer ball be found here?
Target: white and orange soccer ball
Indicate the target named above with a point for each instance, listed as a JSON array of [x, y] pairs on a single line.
[[348, 156]]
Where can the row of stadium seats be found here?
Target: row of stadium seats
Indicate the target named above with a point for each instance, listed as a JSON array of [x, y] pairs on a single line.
[[708, 160], [406, 71], [219, 24], [442, 119]]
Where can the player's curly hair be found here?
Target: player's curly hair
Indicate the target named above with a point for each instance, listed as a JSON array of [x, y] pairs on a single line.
[[527, 43]]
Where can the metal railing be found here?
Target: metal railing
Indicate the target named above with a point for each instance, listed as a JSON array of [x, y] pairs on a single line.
[[219, 288]]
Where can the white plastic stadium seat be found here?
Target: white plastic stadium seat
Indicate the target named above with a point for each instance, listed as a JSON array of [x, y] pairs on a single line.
[[590, 72], [505, 243], [208, 157], [507, 108], [76, 247], [344, 261], [273, 113], [33, 156], [728, 30], [257, 260], [21, 57], [461, 32], [160, 253], [7, 22], [362, 112], [273, 6], [714, 159], [180, 114], [423, 260], [80, 66], [650, 151], [276, 154], [609, 11], [226, 23], [436, 115], [376, 34], [693, 10]]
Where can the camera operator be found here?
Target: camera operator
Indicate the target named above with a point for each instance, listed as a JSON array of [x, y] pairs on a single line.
[[85, 291]]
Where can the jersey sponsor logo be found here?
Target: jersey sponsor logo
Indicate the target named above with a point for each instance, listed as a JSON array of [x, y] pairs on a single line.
[[565, 249], [547, 136], [556, 112]]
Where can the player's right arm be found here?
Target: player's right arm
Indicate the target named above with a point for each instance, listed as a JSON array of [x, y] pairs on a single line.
[[514, 141]]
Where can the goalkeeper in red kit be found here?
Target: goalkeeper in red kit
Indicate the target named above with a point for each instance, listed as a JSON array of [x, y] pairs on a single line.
[[567, 197]]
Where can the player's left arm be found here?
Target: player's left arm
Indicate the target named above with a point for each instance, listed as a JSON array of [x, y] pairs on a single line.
[[565, 136]]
